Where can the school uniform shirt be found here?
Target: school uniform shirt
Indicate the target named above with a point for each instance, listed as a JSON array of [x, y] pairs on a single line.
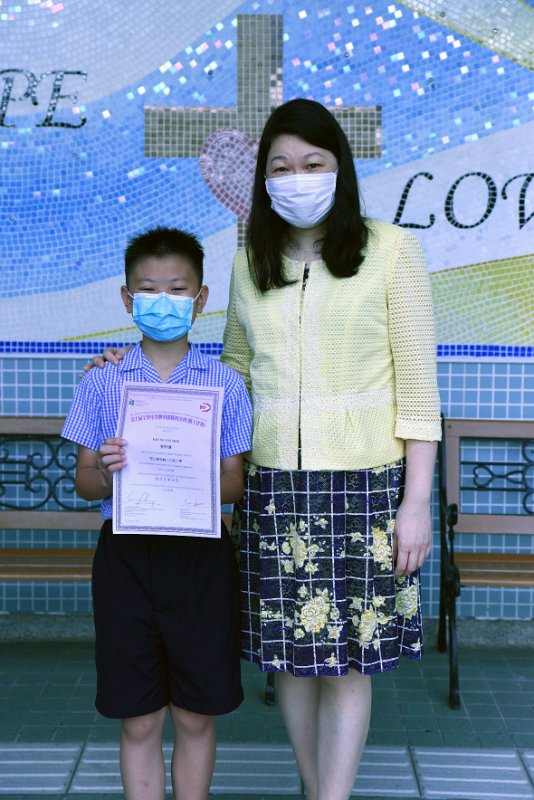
[[345, 370], [94, 412]]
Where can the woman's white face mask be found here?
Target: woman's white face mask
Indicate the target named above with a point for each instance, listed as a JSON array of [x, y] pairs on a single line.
[[304, 201]]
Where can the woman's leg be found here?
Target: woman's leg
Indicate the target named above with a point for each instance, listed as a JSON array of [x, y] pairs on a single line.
[[343, 723], [299, 701], [193, 757], [327, 719], [141, 758]]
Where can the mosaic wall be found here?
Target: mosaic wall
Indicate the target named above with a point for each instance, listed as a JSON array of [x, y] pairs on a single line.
[[111, 121]]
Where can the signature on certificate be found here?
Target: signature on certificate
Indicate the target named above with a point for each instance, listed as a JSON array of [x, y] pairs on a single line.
[[188, 502], [143, 499]]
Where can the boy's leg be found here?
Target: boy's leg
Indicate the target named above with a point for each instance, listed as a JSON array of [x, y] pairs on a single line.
[[142, 765], [193, 758]]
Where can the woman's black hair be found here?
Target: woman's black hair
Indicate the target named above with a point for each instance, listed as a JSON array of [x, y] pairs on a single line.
[[346, 233]]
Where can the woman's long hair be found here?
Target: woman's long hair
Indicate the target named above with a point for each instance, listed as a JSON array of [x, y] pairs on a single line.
[[345, 233]]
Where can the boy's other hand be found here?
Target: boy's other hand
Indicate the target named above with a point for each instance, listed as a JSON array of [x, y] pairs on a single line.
[[112, 354], [112, 455]]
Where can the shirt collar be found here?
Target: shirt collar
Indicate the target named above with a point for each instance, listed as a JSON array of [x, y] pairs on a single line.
[[134, 359]]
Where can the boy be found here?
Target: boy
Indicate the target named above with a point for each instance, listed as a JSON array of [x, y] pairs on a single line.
[[166, 608]]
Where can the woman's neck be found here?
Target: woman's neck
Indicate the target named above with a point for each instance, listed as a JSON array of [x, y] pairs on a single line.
[[304, 244]]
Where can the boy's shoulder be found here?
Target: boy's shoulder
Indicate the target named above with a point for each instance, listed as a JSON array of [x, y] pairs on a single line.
[[100, 378], [216, 370]]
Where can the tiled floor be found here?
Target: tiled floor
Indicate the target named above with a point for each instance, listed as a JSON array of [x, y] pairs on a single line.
[[54, 744]]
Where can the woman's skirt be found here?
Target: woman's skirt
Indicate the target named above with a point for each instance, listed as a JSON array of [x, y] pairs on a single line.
[[317, 578]]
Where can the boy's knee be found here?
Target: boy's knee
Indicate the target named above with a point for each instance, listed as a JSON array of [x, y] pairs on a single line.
[[189, 723], [138, 729]]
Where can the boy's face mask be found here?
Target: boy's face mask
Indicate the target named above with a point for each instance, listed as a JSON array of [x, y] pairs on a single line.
[[163, 317]]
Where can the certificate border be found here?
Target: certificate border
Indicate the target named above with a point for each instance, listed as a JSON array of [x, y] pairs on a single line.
[[215, 394]]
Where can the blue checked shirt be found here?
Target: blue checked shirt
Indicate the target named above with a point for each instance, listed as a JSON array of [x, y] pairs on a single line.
[[94, 412]]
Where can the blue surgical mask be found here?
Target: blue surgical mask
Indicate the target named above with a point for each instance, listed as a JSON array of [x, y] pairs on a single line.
[[162, 317]]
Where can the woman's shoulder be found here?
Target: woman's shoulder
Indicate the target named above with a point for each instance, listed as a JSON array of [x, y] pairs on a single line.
[[240, 258], [241, 270], [240, 265], [386, 238], [384, 232]]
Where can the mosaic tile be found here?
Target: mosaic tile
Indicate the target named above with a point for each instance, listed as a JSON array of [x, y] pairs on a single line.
[[500, 304], [506, 27], [100, 187]]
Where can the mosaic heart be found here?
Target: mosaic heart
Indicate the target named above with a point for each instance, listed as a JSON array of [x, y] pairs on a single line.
[[227, 163]]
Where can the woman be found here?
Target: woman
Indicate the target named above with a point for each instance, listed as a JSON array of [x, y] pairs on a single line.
[[330, 324]]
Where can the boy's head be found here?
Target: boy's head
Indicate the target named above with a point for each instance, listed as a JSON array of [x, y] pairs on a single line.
[[164, 290], [160, 242]]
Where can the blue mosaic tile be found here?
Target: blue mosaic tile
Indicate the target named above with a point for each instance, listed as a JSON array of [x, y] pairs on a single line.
[[85, 348]]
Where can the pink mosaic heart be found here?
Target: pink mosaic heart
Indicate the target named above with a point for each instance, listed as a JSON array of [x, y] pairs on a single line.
[[227, 164]]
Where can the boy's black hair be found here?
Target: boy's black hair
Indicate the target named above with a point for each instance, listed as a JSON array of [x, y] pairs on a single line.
[[160, 242]]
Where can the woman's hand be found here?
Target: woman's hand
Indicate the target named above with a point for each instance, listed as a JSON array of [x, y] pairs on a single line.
[[412, 538], [111, 354]]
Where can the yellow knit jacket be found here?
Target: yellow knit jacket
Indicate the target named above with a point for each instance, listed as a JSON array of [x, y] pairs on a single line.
[[349, 361]]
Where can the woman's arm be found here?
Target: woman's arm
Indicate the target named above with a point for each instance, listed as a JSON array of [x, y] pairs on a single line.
[[411, 335], [413, 344], [236, 349], [413, 526]]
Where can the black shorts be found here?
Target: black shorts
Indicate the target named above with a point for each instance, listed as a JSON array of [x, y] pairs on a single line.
[[166, 611]]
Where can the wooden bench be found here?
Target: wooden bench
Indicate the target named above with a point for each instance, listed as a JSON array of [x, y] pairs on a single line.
[[476, 568], [46, 564], [39, 563], [54, 564]]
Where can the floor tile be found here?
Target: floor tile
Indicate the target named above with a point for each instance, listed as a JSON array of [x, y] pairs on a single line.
[[528, 761], [47, 698], [34, 768], [98, 771], [425, 739], [472, 775], [523, 740], [386, 771]]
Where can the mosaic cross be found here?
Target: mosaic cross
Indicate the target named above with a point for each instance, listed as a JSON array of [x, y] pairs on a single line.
[[225, 139]]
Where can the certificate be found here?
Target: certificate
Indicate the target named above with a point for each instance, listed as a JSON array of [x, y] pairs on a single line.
[[171, 482]]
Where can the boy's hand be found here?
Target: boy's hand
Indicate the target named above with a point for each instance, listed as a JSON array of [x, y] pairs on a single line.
[[111, 455], [95, 468], [112, 354]]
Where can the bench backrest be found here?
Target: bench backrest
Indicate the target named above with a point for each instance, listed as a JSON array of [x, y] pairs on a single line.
[[484, 475], [16, 471]]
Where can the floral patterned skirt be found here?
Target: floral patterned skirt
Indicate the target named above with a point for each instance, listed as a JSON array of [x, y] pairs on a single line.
[[318, 590]]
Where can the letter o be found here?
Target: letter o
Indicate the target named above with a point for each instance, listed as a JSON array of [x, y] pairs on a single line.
[[492, 199]]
